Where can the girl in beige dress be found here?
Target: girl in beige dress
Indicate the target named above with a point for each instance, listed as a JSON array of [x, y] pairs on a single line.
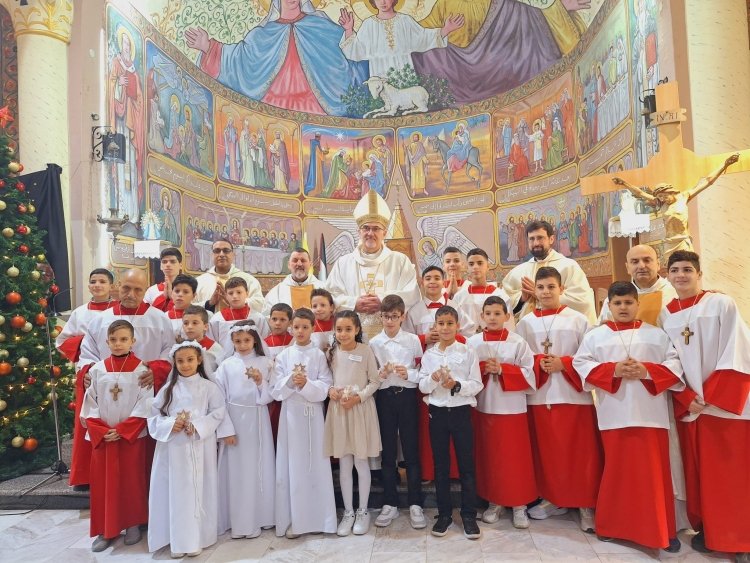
[[352, 433]]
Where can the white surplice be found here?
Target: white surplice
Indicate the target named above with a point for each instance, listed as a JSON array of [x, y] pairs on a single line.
[[247, 470], [471, 304], [77, 324], [421, 317], [304, 483], [184, 490], [218, 328], [578, 294]]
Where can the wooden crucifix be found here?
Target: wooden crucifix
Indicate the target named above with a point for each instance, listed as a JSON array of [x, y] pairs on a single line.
[[674, 175], [116, 390]]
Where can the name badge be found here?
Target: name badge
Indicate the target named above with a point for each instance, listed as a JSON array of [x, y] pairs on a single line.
[[355, 358], [457, 359]]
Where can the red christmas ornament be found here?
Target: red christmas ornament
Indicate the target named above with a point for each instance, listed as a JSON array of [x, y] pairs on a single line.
[[30, 444], [2, 184], [17, 322], [56, 371], [23, 249], [13, 298], [54, 289], [22, 208], [20, 186], [5, 368], [40, 319], [72, 406], [42, 301], [22, 229], [31, 380]]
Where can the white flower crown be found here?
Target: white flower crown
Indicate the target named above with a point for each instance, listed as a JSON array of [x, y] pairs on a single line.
[[186, 344]]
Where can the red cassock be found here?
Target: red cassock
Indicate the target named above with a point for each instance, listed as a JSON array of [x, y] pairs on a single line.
[[119, 486], [566, 476], [274, 407], [502, 447]]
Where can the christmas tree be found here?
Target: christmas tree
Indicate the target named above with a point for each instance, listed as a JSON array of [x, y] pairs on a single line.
[[27, 379]]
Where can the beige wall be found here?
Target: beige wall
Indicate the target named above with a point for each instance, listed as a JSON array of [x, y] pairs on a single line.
[[718, 61]]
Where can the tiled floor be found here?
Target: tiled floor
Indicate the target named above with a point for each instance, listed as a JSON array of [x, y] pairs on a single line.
[[62, 536]]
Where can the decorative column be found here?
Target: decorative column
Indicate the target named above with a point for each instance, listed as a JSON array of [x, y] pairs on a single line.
[[42, 31], [719, 76]]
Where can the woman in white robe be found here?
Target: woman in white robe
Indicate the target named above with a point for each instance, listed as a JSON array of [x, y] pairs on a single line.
[[182, 502]]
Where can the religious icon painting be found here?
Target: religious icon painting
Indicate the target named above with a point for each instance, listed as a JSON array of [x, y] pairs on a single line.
[[601, 85], [257, 151], [447, 158], [162, 220], [180, 114], [580, 224], [125, 88], [535, 135], [345, 164]]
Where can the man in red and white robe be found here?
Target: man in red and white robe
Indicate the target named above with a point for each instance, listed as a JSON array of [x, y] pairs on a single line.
[[630, 365], [160, 295], [713, 413]]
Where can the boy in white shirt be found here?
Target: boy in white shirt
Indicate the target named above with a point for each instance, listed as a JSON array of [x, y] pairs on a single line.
[[450, 376]]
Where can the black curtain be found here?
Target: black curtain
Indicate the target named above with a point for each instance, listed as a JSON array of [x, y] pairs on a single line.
[[45, 190]]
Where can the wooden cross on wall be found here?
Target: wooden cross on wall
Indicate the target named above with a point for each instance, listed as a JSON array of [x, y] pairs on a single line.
[[673, 164]]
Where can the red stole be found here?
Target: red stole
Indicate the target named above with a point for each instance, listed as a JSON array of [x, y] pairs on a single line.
[[482, 289], [323, 326], [229, 314], [275, 340]]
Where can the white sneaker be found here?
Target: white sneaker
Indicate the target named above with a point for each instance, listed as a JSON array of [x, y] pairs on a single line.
[[416, 515], [520, 520], [361, 522], [175, 555], [195, 553], [236, 536], [587, 519], [545, 509], [347, 521], [493, 513], [387, 515], [291, 535]]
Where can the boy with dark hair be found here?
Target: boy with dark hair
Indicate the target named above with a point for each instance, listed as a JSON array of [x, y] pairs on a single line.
[[630, 365], [194, 327], [470, 298], [453, 266], [505, 466], [160, 295], [450, 376], [182, 293], [279, 320], [235, 292], [713, 413], [567, 449], [398, 353]]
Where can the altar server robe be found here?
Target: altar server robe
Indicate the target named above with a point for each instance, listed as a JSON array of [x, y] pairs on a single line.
[[635, 501], [578, 294], [119, 488], [715, 443], [247, 470], [220, 323], [568, 456], [502, 445], [470, 299], [183, 499], [421, 317], [304, 484]]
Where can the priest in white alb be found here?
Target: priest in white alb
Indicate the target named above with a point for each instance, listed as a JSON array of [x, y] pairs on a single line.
[[519, 283], [361, 279]]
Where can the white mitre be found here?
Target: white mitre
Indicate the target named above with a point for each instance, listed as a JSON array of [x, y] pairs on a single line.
[[372, 208]]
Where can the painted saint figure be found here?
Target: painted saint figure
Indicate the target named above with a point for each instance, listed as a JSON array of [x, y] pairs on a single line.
[[314, 181], [280, 164]]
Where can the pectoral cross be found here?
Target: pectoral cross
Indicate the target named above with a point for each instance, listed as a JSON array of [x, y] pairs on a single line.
[[687, 333], [116, 390], [547, 345]]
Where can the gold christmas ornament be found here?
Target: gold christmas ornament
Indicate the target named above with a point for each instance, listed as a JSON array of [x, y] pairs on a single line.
[[13, 272], [4, 354], [41, 257], [28, 327], [32, 208], [2, 320], [35, 275], [8, 232], [17, 442], [2, 205], [14, 167], [22, 362], [3, 405]]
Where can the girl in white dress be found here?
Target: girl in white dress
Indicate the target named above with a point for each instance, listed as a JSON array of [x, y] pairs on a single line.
[[352, 432], [247, 463], [182, 503]]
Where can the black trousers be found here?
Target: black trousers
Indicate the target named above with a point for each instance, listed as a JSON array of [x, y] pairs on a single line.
[[455, 422], [398, 417]]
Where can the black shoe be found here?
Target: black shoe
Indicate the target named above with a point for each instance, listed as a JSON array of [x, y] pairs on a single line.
[[674, 546], [698, 543], [605, 538], [441, 526], [80, 488], [471, 528]]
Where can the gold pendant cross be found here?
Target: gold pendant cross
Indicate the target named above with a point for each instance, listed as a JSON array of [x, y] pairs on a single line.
[[116, 390], [687, 333], [547, 345]]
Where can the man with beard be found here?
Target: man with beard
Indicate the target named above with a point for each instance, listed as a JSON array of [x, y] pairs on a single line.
[[295, 289], [519, 283], [654, 292]]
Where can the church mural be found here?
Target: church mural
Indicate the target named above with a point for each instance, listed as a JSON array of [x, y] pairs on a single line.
[[345, 164], [470, 162], [255, 150], [180, 116], [125, 183], [9, 73], [580, 224], [645, 64], [446, 158]]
